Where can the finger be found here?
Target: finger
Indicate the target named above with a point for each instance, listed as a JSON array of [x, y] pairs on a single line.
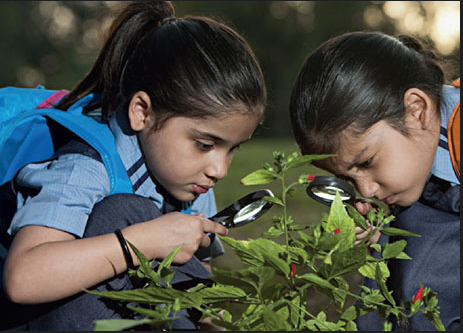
[[361, 207], [205, 241], [214, 227]]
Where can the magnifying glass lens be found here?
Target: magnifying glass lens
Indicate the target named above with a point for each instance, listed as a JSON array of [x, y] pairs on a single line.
[[249, 212], [324, 188], [328, 192]]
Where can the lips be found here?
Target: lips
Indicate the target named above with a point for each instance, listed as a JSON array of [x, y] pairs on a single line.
[[200, 189], [389, 200]]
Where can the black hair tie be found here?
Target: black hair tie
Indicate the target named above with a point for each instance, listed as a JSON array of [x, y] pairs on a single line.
[[125, 249]]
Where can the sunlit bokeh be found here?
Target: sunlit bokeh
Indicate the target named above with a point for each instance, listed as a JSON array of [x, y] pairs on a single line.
[[437, 20]]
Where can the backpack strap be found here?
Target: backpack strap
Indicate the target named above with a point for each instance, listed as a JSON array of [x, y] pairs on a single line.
[[53, 99], [453, 134]]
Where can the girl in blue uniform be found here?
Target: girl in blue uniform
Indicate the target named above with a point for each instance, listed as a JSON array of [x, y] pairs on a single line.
[[180, 95], [380, 104]]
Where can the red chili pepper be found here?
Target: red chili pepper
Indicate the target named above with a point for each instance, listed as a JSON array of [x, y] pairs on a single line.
[[293, 270], [419, 295], [310, 177], [337, 231]]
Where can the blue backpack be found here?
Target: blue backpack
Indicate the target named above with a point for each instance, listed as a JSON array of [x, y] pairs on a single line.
[[25, 134]]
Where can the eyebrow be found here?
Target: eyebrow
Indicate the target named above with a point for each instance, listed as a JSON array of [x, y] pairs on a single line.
[[356, 159], [216, 138], [209, 135]]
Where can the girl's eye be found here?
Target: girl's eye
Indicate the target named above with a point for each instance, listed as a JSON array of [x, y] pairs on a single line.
[[204, 146], [237, 147], [366, 164]]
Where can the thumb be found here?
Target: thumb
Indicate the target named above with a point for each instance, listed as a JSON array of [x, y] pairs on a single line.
[[361, 207]]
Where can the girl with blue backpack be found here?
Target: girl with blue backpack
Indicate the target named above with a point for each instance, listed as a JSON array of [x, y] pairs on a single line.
[[179, 96], [381, 105]]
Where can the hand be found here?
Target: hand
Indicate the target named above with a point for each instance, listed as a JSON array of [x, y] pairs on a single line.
[[363, 207], [159, 237]]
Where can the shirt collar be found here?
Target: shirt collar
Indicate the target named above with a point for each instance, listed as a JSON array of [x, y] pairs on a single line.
[[442, 165], [129, 150]]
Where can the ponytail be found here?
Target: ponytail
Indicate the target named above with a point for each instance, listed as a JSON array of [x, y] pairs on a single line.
[[191, 67], [431, 62], [136, 20]]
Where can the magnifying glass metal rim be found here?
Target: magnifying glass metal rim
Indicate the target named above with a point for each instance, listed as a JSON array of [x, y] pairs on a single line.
[[319, 181], [226, 215]]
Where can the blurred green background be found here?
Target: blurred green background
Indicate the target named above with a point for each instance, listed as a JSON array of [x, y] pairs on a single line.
[[54, 43]]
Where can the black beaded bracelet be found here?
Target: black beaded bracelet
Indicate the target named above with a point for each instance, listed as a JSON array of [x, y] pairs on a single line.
[[125, 248]]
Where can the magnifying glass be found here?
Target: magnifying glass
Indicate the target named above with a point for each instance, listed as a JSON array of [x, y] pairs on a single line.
[[245, 210], [323, 189]]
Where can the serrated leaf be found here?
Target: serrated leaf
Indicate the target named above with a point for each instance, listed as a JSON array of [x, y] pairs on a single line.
[[251, 279], [154, 295], [338, 218], [346, 261], [392, 250], [145, 265], [164, 272], [259, 177], [219, 293], [368, 270], [275, 321]]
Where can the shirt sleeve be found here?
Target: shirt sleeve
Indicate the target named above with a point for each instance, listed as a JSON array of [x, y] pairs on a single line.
[[205, 203], [60, 193]]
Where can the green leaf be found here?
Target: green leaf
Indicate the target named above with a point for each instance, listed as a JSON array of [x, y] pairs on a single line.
[[145, 265], [368, 270], [154, 295], [380, 281], [274, 200], [304, 160], [168, 260], [316, 280], [371, 217], [392, 250], [118, 324], [275, 321], [434, 318], [358, 218], [403, 256], [243, 251], [346, 261], [259, 177], [350, 314], [338, 218], [251, 279], [273, 233], [219, 293], [390, 231], [165, 273]]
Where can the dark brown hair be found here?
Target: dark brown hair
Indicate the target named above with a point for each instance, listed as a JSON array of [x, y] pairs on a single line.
[[190, 66], [355, 80]]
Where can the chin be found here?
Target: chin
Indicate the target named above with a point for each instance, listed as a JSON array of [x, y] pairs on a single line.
[[186, 196]]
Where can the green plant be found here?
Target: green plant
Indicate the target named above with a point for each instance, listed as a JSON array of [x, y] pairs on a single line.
[[271, 293]]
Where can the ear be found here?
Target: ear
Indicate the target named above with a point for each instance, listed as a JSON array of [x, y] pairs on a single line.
[[419, 108], [139, 113]]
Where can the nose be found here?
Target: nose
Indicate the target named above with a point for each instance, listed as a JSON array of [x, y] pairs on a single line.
[[217, 168], [367, 188]]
